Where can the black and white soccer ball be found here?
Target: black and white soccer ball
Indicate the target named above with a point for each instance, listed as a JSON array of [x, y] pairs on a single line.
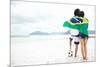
[[70, 53]]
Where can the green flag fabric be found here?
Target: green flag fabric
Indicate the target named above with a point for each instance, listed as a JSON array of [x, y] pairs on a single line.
[[82, 27]]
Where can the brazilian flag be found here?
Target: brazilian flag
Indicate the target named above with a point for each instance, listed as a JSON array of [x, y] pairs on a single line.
[[82, 27]]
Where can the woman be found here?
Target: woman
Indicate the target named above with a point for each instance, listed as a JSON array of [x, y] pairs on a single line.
[[84, 36]]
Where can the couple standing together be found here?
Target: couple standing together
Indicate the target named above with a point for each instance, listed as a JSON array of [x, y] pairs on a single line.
[[79, 32]]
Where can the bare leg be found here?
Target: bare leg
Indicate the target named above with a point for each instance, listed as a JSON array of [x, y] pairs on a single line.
[[85, 48], [70, 44], [82, 48], [70, 53], [76, 49]]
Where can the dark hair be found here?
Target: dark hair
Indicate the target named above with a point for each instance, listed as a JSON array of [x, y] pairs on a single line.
[[76, 12], [81, 14]]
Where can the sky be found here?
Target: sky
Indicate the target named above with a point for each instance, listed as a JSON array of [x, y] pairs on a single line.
[[28, 17]]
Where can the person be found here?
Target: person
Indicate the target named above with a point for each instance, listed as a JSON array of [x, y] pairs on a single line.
[[83, 36], [74, 33], [83, 32]]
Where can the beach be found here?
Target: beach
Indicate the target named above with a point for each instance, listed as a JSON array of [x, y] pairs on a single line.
[[43, 49]]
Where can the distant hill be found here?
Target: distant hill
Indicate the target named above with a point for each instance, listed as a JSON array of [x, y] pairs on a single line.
[[39, 33], [91, 32], [45, 33], [56, 33]]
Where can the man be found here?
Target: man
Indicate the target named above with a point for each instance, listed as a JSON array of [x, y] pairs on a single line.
[[74, 33]]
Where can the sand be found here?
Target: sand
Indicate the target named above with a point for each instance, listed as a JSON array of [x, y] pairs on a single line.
[[37, 50]]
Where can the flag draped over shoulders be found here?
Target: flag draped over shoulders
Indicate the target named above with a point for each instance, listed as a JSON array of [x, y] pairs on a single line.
[[82, 27]]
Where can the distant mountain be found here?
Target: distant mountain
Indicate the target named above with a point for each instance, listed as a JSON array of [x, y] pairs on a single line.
[[53, 33], [39, 33], [91, 32], [67, 32], [56, 33]]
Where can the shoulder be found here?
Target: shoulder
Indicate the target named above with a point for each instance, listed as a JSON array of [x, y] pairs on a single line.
[[74, 19], [85, 20]]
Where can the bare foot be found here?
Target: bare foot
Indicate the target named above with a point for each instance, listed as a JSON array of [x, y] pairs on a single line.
[[85, 59], [75, 56]]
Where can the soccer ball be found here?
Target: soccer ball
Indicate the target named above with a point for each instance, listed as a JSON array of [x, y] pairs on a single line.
[[70, 53]]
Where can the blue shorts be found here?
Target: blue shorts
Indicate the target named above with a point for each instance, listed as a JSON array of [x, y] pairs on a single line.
[[81, 35]]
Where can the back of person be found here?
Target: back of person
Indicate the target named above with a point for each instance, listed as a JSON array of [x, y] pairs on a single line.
[[76, 19], [74, 33]]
